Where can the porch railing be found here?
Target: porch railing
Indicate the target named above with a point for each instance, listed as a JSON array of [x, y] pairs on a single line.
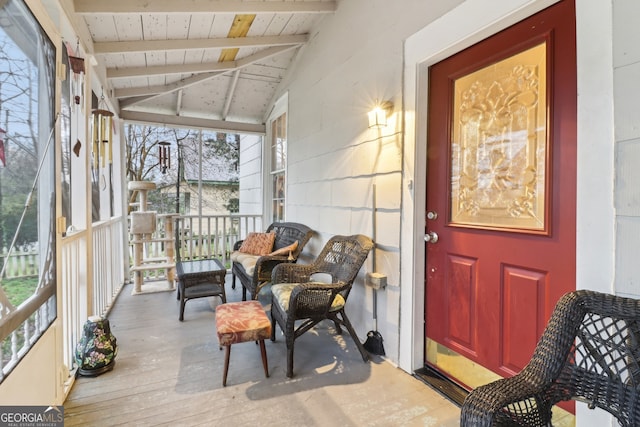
[[213, 236], [199, 237], [75, 309], [108, 265], [79, 299]]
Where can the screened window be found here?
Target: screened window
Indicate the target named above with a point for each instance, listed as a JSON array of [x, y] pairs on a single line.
[[27, 192]]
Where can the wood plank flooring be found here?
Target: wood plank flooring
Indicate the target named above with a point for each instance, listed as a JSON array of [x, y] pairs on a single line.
[[169, 372]]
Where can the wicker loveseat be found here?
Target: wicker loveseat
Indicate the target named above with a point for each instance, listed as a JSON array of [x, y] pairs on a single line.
[[589, 351], [254, 271]]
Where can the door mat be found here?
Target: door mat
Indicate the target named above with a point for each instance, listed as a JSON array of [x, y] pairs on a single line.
[[442, 384]]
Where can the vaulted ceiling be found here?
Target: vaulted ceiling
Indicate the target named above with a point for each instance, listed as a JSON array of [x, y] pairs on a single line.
[[202, 63]]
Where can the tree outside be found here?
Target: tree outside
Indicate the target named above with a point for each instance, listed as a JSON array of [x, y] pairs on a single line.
[[175, 170], [18, 113]]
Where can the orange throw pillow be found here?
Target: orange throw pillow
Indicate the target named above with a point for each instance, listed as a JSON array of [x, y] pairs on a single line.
[[286, 250], [258, 243]]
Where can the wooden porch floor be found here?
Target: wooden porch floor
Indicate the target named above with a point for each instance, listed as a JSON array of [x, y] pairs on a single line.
[[169, 372]]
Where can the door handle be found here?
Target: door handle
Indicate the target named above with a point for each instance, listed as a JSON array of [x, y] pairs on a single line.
[[431, 237]]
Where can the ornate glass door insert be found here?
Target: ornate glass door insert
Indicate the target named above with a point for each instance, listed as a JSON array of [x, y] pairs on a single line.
[[499, 145]]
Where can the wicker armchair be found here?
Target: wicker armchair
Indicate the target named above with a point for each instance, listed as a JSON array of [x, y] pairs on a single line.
[[296, 297], [589, 351], [286, 234]]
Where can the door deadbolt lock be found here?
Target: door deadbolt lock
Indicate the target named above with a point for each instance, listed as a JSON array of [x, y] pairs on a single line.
[[431, 237], [432, 215]]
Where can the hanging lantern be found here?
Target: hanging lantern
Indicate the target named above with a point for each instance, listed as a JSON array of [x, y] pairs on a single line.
[[102, 122]]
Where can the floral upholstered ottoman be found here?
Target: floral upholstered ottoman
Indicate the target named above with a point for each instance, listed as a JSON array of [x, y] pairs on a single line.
[[242, 321]]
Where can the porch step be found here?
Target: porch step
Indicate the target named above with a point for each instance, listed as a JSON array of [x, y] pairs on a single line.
[[157, 266]]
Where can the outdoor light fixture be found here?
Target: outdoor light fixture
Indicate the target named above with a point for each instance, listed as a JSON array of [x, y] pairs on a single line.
[[378, 116], [102, 121], [164, 156]]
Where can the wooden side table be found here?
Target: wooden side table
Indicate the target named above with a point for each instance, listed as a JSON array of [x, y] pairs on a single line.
[[198, 279]]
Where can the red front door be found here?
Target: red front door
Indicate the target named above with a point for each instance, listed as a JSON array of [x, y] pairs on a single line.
[[501, 185]]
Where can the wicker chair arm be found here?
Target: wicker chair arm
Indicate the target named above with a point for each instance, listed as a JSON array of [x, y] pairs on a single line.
[[523, 395], [292, 273], [265, 265]]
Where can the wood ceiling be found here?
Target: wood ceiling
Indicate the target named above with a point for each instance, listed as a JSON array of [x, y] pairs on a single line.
[[201, 63]]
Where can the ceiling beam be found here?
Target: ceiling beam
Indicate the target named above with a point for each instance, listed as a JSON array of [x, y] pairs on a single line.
[[192, 122], [179, 103], [123, 73], [118, 73], [230, 93], [143, 94], [191, 44], [89, 7]]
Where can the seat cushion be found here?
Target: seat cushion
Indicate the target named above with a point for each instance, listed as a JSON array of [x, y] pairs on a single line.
[[282, 294], [241, 321], [247, 261]]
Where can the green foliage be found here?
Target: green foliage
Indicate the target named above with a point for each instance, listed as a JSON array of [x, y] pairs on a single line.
[[234, 205], [19, 289], [16, 181], [12, 207]]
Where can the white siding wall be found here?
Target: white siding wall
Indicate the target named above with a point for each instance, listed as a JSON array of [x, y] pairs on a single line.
[[626, 76], [334, 159], [250, 174]]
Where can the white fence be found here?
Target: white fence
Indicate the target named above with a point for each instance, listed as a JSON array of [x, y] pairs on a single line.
[[20, 264]]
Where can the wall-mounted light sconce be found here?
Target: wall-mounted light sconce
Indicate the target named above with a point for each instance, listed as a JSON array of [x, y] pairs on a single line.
[[164, 156], [102, 122], [378, 116]]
